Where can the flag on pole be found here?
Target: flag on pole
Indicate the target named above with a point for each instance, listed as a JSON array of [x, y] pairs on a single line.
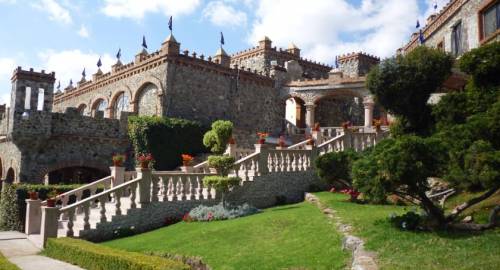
[[170, 24], [421, 37], [435, 5], [83, 73], [144, 45], [99, 63], [119, 54], [418, 24], [59, 86], [221, 39], [336, 62]]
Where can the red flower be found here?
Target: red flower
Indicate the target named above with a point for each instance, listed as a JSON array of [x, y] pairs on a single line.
[[210, 216]]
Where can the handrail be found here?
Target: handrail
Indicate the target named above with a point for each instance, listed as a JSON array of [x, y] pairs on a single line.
[[162, 173], [104, 193], [201, 165], [330, 141], [82, 188], [247, 158], [302, 143]]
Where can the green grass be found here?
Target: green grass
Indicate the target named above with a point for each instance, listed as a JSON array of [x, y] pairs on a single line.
[[415, 250], [6, 265], [282, 237]]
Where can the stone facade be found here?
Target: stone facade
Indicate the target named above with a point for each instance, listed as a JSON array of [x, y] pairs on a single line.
[[263, 192], [333, 111], [438, 31]]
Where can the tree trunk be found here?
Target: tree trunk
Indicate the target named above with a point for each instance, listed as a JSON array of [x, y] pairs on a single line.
[[436, 214], [459, 209], [492, 222]]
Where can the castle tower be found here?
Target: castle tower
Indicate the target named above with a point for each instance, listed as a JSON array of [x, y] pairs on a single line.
[[32, 91], [357, 64], [293, 49], [170, 46], [265, 43], [222, 58]]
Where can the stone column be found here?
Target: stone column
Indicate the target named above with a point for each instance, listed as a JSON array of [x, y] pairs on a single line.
[[317, 136], [310, 107], [231, 150], [263, 149], [33, 216], [369, 104], [50, 223], [118, 174], [144, 193]]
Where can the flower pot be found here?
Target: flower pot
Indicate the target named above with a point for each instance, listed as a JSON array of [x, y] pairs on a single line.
[[145, 164], [51, 202], [117, 163], [33, 195], [261, 141]]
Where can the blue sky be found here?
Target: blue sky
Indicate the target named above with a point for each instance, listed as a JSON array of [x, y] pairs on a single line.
[[67, 35]]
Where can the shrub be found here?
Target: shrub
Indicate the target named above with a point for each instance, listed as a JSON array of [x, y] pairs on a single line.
[[9, 211], [217, 138], [221, 184], [335, 167], [221, 163], [409, 221], [96, 257], [483, 64], [221, 212], [165, 138]]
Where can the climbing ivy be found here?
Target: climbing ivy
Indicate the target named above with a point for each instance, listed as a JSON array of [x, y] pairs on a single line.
[[166, 139]]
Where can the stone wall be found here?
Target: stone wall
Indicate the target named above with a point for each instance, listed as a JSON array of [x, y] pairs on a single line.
[[10, 157], [263, 192], [333, 111]]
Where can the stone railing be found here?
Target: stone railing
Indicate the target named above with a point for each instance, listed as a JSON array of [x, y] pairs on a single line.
[[336, 144], [105, 183], [299, 146], [248, 167], [231, 150], [289, 160], [177, 186]]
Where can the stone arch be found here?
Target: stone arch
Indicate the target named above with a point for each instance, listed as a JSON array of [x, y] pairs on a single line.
[[10, 177], [101, 103], [68, 164], [335, 107], [147, 99], [120, 102], [295, 111], [81, 108]]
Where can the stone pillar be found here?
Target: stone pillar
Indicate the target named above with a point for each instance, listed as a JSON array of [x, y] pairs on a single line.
[[310, 107], [231, 150], [50, 223], [33, 216], [118, 174], [317, 136], [369, 104], [263, 149], [144, 193], [314, 152]]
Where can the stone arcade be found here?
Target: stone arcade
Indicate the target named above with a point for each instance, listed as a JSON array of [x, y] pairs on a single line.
[[256, 89]]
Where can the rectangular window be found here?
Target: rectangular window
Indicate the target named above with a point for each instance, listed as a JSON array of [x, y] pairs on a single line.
[[490, 19], [456, 39], [41, 97], [27, 99]]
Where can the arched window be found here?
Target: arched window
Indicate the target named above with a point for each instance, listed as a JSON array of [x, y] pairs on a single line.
[[81, 109], [11, 176], [120, 105], [147, 103], [102, 105]]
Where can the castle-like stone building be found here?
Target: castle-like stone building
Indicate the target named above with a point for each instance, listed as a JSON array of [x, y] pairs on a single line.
[[79, 129]]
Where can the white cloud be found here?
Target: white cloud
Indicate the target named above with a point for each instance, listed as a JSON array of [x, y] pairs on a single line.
[[72, 69], [56, 12], [136, 9], [325, 28], [7, 66], [83, 32], [221, 14]]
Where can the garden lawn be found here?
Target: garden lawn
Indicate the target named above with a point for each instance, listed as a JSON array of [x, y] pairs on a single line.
[[290, 236], [415, 250], [6, 265]]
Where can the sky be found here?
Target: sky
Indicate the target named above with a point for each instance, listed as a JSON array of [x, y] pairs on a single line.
[[67, 36]]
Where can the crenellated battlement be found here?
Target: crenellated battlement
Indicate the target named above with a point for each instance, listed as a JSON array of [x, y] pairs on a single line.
[[20, 74], [356, 56]]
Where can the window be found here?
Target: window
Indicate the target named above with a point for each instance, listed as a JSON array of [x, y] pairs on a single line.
[[41, 97], [27, 99], [121, 105], [491, 20], [456, 39], [440, 46]]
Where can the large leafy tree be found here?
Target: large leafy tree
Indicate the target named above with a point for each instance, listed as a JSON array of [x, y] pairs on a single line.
[[403, 85]]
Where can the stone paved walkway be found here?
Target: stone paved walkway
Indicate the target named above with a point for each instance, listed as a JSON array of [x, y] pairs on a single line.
[[20, 251]]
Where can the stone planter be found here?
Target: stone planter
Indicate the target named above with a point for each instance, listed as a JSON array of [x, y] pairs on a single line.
[[117, 163], [33, 196], [187, 169]]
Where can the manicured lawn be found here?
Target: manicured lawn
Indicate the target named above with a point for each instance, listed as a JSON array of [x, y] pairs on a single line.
[[415, 250], [283, 237], [5, 264]]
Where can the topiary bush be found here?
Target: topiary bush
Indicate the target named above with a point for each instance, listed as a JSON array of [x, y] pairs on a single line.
[[217, 138], [222, 164], [166, 139], [97, 257], [9, 211], [222, 184], [220, 212], [335, 167]]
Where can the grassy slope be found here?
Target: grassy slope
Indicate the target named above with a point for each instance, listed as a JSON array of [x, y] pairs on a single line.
[[289, 236], [410, 250], [5, 264]]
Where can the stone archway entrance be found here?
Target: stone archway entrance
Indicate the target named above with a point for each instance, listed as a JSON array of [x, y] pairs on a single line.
[[296, 112], [332, 111], [11, 176]]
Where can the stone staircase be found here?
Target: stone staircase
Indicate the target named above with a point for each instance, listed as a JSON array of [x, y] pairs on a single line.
[[142, 199]]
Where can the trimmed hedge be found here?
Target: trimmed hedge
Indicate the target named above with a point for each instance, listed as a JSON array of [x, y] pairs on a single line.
[[96, 257], [166, 139], [6, 265]]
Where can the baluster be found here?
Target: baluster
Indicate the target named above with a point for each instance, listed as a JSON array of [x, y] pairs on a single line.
[[155, 189], [281, 162], [244, 172], [71, 217], [287, 162], [118, 204], [173, 189], [191, 188], [102, 204], [133, 192], [209, 192], [86, 216], [183, 188], [199, 187], [164, 190]]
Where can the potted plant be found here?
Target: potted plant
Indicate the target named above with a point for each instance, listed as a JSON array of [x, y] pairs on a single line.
[[118, 160], [346, 125], [186, 160], [145, 160], [377, 124], [52, 198], [33, 195], [231, 141], [262, 137], [281, 142], [316, 127]]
